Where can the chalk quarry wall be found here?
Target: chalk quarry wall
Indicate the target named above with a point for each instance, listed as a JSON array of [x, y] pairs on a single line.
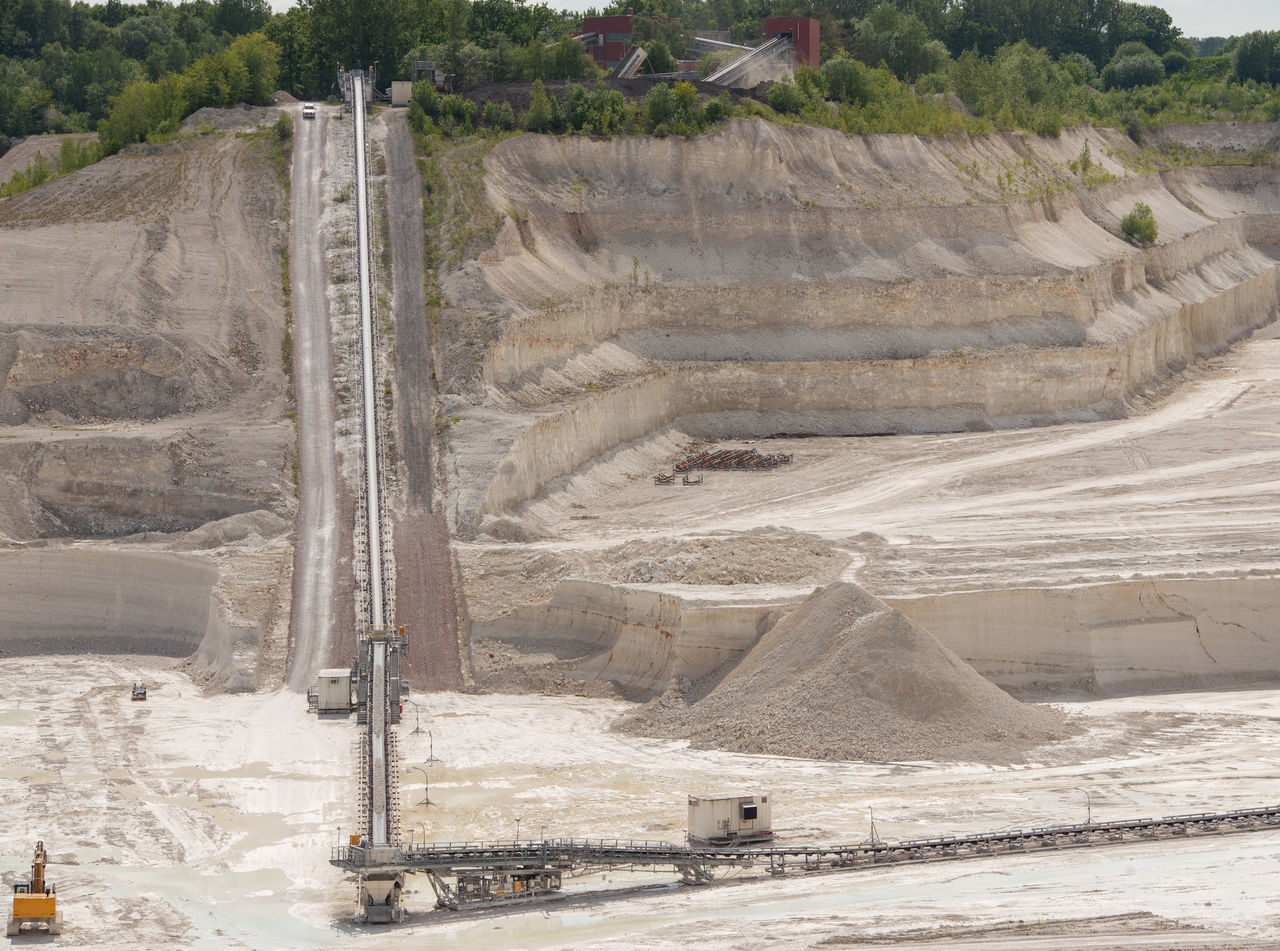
[[639, 638], [102, 486], [119, 602], [795, 279], [1127, 636], [1114, 638]]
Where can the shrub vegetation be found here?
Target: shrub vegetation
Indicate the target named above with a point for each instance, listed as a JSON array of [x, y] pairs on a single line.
[[1140, 224]]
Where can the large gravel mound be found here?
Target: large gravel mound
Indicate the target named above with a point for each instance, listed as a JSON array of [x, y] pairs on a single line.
[[22, 155], [760, 558], [846, 677], [237, 117]]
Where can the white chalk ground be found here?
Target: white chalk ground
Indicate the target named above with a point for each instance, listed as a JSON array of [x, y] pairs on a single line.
[[1186, 489], [206, 822]]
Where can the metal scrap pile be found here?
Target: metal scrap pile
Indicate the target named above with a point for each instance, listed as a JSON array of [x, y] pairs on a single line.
[[722, 459]]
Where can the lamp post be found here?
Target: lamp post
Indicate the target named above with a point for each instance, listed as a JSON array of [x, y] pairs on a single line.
[[417, 728], [426, 786], [517, 830], [875, 836], [431, 746], [1088, 801]]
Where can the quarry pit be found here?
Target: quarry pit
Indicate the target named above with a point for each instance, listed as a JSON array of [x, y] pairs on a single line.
[[1059, 474], [1047, 451]]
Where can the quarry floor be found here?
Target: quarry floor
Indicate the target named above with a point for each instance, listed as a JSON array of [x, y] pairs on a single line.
[[1185, 487], [184, 821]]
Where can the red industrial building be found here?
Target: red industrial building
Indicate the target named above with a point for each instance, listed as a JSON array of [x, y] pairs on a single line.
[[803, 32], [613, 41]]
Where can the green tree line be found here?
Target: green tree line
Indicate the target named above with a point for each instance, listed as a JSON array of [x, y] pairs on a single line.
[[675, 109], [246, 71], [1093, 28], [133, 70], [480, 41], [62, 63]]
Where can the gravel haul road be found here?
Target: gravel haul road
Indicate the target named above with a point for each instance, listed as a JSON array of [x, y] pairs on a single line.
[[316, 557]]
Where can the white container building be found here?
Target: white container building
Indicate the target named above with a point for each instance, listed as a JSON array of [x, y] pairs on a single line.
[[727, 820], [333, 688]]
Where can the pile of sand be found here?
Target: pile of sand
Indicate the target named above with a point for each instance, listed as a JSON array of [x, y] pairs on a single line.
[[234, 118], [846, 677], [753, 558], [25, 151], [499, 579]]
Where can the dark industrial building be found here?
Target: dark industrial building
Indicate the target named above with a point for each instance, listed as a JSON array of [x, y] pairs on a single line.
[[803, 33], [609, 39]]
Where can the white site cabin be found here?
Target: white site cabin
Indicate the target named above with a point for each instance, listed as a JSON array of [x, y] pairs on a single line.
[[333, 687], [728, 820]]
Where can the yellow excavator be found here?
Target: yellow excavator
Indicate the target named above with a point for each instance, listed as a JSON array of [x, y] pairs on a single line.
[[35, 901]]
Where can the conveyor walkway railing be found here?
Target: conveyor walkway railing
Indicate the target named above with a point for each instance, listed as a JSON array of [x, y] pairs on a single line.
[[380, 821], [740, 67], [631, 65], [698, 863]]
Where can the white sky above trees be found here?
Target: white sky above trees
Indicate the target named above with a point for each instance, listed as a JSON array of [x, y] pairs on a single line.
[[1222, 17], [1193, 17]]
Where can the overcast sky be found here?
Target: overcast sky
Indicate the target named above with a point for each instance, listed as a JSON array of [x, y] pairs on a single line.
[[1194, 17], [1222, 17]]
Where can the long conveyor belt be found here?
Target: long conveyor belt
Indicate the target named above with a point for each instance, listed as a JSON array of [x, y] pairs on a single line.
[[698, 865]]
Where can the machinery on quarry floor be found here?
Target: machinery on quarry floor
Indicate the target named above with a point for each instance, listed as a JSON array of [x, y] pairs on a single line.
[[35, 901]]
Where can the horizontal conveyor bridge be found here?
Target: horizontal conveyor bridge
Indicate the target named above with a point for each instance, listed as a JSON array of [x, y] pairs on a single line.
[[507, 861]]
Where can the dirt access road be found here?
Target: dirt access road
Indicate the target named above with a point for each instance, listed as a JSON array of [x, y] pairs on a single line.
[[316, 556], [425, 597]]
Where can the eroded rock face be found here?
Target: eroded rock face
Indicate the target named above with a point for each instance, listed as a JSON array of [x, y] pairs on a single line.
[[142, 291], [107, 375], [648, 299], [144, 391], [76, 600], [764, 279], [108, 486], [100, 602], [640, 639], [1126, 637]]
